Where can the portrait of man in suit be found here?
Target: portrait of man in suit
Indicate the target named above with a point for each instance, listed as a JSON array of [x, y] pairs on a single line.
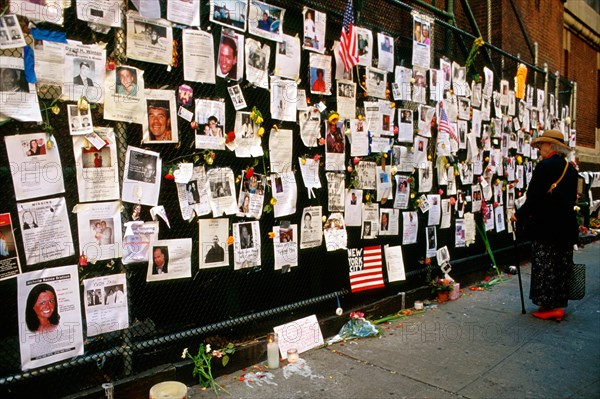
[[83, 79]]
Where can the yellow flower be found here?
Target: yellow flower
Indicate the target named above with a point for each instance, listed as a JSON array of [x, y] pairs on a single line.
[[259, 120], [83, 104], [303, 160], [271, 235], [260, 132], [273, 201], [324, 219], [230, 240], [368, 197], [55, 109], [479, 41]]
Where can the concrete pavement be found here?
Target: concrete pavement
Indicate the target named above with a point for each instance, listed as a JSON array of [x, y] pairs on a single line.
[[479, 346]]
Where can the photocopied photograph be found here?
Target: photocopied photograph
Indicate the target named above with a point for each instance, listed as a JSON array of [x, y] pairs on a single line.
[[106, 306], [149, 40], [214, 251], [314, 30], [141, 184], [320, 74], [169, 259], [49, 306], [210, 115], [246, 244], [99, 227]]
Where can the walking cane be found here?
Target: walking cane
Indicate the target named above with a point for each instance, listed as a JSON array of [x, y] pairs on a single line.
[[514, 232]]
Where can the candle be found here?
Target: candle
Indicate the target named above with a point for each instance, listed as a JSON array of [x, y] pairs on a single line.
[[272, 351], [292, 355], [418, 305]]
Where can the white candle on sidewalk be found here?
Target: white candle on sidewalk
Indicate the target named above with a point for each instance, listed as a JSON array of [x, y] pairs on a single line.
[[272, 351]]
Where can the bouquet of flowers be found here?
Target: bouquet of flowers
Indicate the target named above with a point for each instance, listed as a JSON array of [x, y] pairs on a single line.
[[442, 285]]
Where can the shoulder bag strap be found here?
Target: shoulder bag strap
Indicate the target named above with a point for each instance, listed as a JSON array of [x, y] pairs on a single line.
[[553, 186]]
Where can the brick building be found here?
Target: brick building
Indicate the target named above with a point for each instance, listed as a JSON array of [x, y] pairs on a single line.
[[562, 35]]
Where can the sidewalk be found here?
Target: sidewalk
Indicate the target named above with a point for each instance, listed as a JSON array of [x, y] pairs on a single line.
[[479, 346]]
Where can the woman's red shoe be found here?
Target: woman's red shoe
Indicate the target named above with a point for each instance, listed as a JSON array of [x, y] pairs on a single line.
[[556, 314]]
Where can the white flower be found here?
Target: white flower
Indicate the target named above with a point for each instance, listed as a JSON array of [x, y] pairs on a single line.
[[568, 120], [208, 348], [576, 208], [184, 354], [394, 170]]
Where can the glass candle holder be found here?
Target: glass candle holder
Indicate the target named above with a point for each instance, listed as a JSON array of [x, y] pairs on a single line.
[[292, 355]]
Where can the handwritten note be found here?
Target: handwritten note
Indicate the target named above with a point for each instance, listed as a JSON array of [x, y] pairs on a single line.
[[302, 334]]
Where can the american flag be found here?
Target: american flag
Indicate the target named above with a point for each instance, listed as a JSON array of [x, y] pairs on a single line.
[[348, 50], [444, 125], [365, 270]]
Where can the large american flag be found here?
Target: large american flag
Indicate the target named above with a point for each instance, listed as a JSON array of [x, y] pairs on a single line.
[[444, 125], [348, 50], [367, 274]]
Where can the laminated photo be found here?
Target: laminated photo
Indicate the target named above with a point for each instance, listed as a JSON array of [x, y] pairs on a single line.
[[388, 221], [99, 227], [402, 192], [265, 20], [314, 30], [237, 97], [246, 245], [160, 123], [210, 115], [142, 176], [410, 227], [285, 246], [193, 194], [106, 306], [406, 126], [401, 88], [370, 221], [230, 13], [49, 309], [386, 52], [311, 230], [9, 255], [97, 169], [359, 138], [169, 260], [421, 55], [364, 40], [125, 99], [335, 146], [320, 74], [213, 248], [149, 40]]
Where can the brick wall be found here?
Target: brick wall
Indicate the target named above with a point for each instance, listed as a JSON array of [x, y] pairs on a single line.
[[584, 70]]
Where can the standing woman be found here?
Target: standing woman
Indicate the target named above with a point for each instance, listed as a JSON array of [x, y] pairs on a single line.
[[549, 218]]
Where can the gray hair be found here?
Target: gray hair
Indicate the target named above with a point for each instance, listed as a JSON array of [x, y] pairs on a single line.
[[561, 150]]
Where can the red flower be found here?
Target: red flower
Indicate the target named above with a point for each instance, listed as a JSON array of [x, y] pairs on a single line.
[[356, 160], [230, 137], [249, 173], [427, 261], [169, 176], [316, 157]]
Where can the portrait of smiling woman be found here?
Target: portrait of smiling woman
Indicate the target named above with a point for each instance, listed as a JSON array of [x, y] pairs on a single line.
[[41, 312]]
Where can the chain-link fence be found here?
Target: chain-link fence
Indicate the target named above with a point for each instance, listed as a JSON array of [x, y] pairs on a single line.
[[225, 305]]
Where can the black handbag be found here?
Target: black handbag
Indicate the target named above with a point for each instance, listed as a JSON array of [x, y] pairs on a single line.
[[576, 281]]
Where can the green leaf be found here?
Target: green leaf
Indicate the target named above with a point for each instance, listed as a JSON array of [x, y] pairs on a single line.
[[225, 360]]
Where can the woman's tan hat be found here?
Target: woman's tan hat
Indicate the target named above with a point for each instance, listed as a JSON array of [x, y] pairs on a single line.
[[550, 136]]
